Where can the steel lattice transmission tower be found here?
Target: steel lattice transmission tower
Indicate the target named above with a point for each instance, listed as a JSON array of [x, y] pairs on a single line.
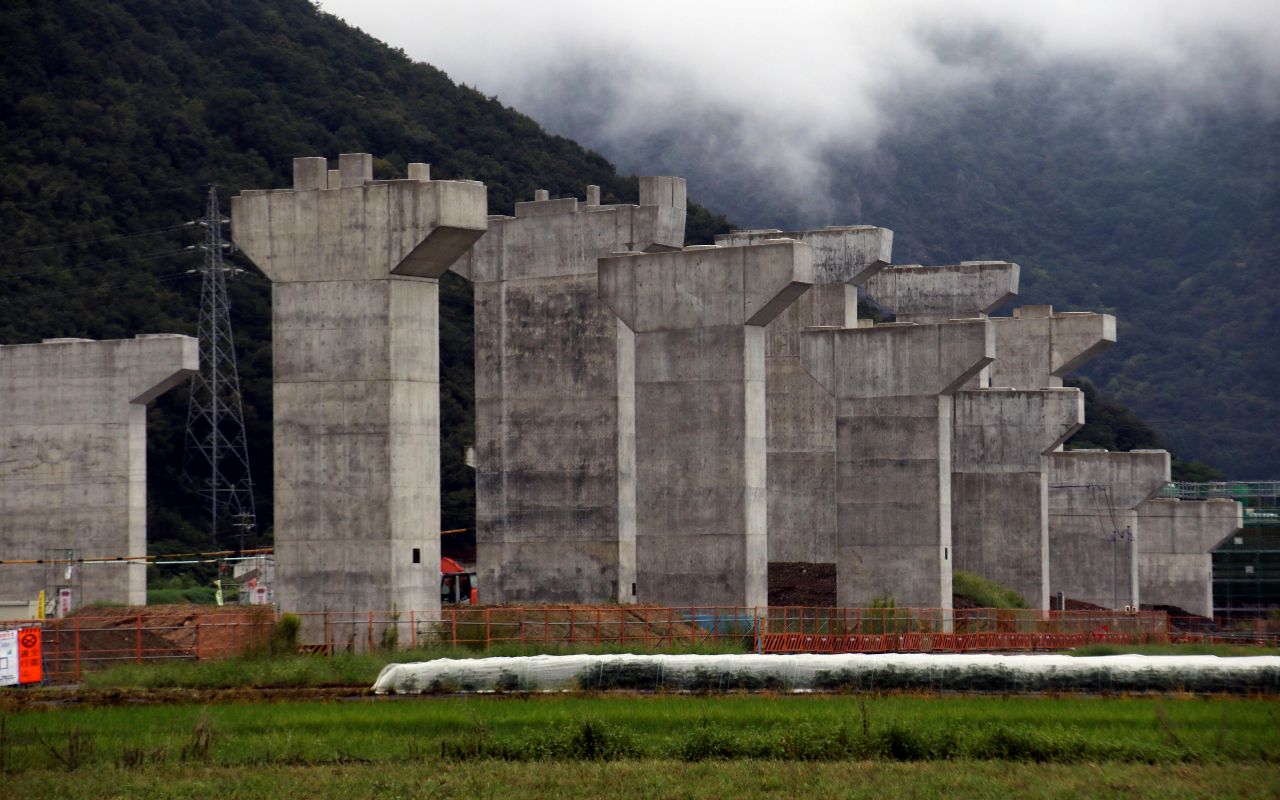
[[217, 452]]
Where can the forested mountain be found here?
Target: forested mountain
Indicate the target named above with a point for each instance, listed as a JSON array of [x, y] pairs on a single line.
[[1115, 193], [115, 115]]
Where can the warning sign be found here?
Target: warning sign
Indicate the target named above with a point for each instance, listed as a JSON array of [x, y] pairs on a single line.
[[8, 658], [30, 661]]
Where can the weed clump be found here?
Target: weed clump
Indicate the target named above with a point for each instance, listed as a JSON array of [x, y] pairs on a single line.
[[284, 635]]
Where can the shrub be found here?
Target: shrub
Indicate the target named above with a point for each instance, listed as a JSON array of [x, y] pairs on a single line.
[[284, 636]]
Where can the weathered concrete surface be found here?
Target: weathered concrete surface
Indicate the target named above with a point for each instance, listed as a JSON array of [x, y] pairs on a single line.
[[1093, 494], [1000, 519], [939, 293], [1000, 526], [1174, 563], [701, 494], [1036, 347], [1000, 482], [354, 304], [893, 386], [555, 397], [73, 458], [801, 415]]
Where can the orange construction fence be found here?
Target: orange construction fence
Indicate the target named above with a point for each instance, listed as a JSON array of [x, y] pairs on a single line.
[[99, 638]]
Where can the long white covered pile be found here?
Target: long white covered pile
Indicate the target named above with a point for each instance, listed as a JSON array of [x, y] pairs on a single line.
[[956, 672]]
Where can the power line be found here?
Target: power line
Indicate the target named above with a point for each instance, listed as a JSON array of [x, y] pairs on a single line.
[[111, 238], [215, 416], [53, 269], [162, 278]]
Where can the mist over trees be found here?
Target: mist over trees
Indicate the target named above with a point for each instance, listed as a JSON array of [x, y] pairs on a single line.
[[1117, 191], [116, 114]]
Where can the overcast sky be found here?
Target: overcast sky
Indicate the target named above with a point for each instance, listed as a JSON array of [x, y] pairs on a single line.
[[827, 59], [802, 75]]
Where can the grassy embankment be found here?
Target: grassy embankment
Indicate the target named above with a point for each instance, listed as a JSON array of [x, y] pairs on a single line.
[[656, 745], [983, 592]]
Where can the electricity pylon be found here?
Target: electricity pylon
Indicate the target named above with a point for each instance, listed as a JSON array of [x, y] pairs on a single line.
[[216, 455]]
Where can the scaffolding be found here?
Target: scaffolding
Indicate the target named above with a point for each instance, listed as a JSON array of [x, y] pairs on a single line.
[[1246, 567]]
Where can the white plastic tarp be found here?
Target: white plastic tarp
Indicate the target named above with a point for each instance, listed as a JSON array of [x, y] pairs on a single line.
[[804, 672]]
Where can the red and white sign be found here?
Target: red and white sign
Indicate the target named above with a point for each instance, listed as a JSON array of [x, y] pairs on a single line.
[[30, 656], [20, 660]]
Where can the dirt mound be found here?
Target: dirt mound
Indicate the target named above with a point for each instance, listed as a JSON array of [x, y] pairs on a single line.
[[97, 637], [798, 583], [1080, 605], [1182, 618]]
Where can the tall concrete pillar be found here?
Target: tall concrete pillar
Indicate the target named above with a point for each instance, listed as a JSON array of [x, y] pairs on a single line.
[[999, 510], [1000, 482], [73, 459], [1093, 522], [1000, 522], [893, 386], [801, 415], [1038, 347], [698, 316], [555, 396], [1175, 567], [354, 310]]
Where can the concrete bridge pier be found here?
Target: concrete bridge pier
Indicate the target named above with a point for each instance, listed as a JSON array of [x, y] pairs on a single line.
[[555, 396], [355, 271], [801, 415], [894, 387], [698, 316], [73, 459]]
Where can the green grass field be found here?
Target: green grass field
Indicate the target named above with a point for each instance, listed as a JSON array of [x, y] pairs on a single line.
[[656, 745], [740, 780]]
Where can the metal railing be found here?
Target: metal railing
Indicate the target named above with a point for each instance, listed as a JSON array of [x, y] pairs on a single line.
[[1234, 490], [656, 627], [87, 641]]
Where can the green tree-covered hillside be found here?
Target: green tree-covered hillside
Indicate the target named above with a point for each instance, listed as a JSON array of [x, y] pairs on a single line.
[[115, 115]]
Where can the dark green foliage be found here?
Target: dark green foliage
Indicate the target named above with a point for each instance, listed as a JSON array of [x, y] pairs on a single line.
[[284, 635], [590, 740], [198, 595], [1111, 425], [587, 740]]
